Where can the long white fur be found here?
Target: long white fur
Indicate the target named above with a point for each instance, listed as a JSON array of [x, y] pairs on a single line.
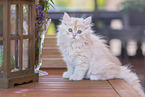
[[87, 56]]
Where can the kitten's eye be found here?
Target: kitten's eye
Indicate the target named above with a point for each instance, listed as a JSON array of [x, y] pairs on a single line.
[[79, 31], [70, 30]]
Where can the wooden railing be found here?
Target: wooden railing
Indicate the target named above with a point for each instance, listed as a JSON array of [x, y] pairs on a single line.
[[128, 32]]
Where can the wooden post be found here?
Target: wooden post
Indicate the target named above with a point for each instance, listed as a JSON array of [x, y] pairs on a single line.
[[33, 33], [6, 42], [95, 15], [1, 19]]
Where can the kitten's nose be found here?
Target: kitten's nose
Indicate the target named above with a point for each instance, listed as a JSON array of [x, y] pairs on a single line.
[[74, 36]]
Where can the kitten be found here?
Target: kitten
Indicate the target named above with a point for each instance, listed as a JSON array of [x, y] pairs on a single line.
[[87, 55]]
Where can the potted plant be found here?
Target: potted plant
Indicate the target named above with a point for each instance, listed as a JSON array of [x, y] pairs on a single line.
[[41, 23], [135, 10]]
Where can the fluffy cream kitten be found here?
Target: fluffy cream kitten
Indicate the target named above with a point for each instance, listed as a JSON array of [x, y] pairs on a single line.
[[87, 55]]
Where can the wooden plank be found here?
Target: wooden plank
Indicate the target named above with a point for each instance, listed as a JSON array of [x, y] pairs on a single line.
[[51, 79], [27, 37], [123, 88], [50, 36], [51, 51], [53, 72], [50, 44], [49, 48], [15, 37], [51, 56], [49, 39], [21, 2], [59, 78], [56, 76], [68, 85], [53, 63], [60, 93]]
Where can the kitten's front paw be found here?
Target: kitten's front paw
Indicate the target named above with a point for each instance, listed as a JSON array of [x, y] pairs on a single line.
[[93, 77], [66, 75], [75, 77]]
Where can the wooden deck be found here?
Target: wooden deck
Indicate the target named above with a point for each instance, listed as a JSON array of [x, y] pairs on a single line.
[[51, 57], [54, 85]]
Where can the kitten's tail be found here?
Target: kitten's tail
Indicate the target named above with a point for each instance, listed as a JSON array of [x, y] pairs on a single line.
[[132, 79]]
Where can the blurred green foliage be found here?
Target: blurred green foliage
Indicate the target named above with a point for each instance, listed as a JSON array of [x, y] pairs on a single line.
[[133, 5], [1, 59], [101, 4], [51, 30], [81, 5]]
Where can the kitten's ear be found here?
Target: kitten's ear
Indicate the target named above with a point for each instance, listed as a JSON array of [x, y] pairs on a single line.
[[66, 17], [88, 20]]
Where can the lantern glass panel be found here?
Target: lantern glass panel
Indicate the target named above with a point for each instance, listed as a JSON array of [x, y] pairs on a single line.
[[26, 56], [26, 20], [1, 56], [1, 20], [15, 55], [15, 20]]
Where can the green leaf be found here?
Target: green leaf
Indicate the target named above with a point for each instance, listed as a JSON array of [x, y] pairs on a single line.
[[52, 1], [12, 60], [52, 6]]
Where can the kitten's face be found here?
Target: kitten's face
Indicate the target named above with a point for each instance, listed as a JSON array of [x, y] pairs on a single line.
[[75, 28]]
